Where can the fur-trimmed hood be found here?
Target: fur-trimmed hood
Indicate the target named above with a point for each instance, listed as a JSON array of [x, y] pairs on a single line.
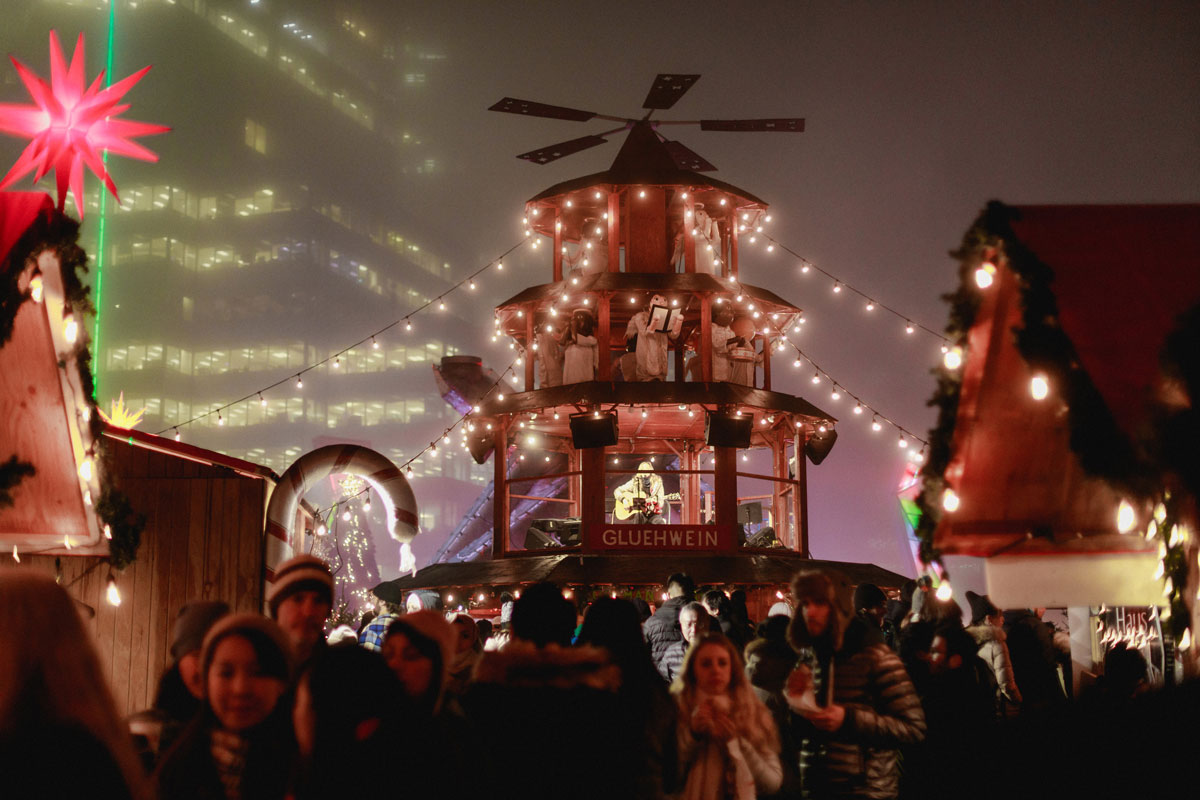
[[523, 665], [982, 634], [827, 585]]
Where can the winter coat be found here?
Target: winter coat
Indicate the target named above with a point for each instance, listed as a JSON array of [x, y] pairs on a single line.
[[188, 771], [993, 649], [883, 712], [530, 700], [672, 661], [1034, 660], [662, 629]]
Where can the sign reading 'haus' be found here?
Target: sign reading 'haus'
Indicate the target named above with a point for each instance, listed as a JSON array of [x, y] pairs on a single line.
[[659, 538]]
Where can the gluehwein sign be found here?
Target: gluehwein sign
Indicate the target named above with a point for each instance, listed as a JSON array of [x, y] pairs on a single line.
[[659, 538]]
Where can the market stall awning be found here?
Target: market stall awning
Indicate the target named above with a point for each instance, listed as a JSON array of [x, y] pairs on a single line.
[[631, 570]]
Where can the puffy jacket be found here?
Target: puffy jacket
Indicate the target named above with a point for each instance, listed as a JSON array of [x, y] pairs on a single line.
[[662, 629], [993, 649], [883, 711]]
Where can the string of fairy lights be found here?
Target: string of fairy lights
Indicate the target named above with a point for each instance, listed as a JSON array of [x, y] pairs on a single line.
[[335, 357], [464, 424]]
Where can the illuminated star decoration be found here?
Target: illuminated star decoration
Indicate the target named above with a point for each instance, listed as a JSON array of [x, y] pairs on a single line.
[[121, 416], [70, 125]]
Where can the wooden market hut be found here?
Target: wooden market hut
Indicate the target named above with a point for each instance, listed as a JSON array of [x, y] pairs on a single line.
[[1051, 458]]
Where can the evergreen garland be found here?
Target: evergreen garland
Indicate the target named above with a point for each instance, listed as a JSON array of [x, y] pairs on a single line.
[[55, 231], [1103, 449]]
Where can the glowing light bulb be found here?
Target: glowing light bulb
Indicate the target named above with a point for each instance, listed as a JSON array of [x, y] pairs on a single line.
[[858, 409], [85, 468], [299, 382], [178, 437], [909, 328], [1126, 517], [836, 395], [876, 425], [837, 287], [346, 515], [220, 420], [337, 362], [70, 328], [262, 401], [950, 500], [36, 288], [408, 327], [16, 555], [374, 344], [797, 363], [1186, 641], [953, 358], [944, 592], [902, 443], [642, 193], [804, 268], [321, 529], [1039, 387], [1160, 513], [499, 265], [816, 378], [408, 473], [645, 413], [112, 592], [985, 275], [870, 305]]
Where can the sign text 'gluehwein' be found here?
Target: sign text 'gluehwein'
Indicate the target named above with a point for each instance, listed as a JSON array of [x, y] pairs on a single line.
[[642, 538]]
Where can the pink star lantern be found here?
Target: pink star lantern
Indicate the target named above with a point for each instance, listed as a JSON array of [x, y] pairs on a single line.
[[70, 125]]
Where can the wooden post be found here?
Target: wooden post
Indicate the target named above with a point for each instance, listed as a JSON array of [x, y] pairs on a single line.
[[604, 336], [691, 494], [800, 494], [558, 244], [679, 351], [614, 232], [705, 351], [573, 481], [725, 486], [500, 488], [779, 468], [530, 353], [766, 352], [591, 462]]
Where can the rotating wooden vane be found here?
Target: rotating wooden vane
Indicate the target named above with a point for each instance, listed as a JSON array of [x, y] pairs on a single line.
[[664, 93]]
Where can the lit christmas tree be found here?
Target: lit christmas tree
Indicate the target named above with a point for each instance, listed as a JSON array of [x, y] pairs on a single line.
[[350, 552]]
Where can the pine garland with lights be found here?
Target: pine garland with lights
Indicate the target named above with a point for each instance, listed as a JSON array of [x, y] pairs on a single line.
[[53, 230], [1103, 449]]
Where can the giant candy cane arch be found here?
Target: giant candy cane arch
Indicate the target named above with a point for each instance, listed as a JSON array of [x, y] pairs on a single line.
[[385, 477]]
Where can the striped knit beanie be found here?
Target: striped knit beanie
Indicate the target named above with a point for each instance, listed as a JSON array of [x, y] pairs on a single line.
[[303, 573]]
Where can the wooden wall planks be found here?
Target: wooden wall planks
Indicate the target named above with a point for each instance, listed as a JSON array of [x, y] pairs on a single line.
[[203, 540]]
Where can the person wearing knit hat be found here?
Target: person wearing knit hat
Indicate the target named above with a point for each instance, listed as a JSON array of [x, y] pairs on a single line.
[[419, 648], [241, 743], [300, 600], [987, 629], [870, 603], [181, 687]]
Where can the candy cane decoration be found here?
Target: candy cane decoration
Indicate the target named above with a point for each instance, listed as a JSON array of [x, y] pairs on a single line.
[[385, 477]]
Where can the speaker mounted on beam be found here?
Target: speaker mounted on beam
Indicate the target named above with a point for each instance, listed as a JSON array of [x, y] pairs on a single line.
[[593, 429], [727, 430]]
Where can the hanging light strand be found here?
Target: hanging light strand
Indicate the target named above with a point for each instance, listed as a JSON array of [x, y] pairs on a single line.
[[335, 356], [841, 285], [432, 446]]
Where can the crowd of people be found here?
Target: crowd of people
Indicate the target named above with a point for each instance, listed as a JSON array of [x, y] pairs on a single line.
[[838, 693]]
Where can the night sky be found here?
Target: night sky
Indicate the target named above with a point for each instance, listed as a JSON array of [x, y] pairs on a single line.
[[917, 115]]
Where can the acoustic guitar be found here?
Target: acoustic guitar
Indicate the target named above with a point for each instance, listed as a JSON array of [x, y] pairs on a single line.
[[628, 504]]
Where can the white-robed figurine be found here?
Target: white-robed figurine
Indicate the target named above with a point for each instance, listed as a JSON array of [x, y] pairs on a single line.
[[549, 354], [580, 354], [651, 348]]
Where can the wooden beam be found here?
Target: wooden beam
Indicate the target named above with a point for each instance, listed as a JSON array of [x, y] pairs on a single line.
[[614, 232], [500, 488], [591, 461], [766, 354], [530, 353], [732, 262], [689, 241], [800, 495], [725, 485], [706, 351], [604, 336], [558, 244]]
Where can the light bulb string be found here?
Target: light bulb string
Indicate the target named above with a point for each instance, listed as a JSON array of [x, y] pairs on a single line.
[[876, 414], [297, 374], [321, 512], [849, 287]]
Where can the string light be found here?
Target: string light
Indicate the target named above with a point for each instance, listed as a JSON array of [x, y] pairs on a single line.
[[35, 288], [262, 401], [112, 592], [1039, 387], [299, 382], [70, 328]]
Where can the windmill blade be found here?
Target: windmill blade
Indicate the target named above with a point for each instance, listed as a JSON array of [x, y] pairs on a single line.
[[545, 155], [667, 90], [685, 158], [793, 125], [512, 105]]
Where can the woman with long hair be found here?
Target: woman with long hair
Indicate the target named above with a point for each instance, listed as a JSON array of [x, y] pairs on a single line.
[[728, 742], [60, 735], [241, 743]]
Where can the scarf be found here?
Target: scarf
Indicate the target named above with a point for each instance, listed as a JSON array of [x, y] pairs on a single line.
[[719, 770], [229, 756]]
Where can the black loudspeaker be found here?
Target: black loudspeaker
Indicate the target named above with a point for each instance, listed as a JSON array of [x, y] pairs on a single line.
[[722, 430], [481, 447], [764, 538], [750, 513], [592, 430], [819, 445]]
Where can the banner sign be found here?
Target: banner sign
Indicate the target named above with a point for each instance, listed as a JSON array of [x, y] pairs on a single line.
[[606, 538]]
